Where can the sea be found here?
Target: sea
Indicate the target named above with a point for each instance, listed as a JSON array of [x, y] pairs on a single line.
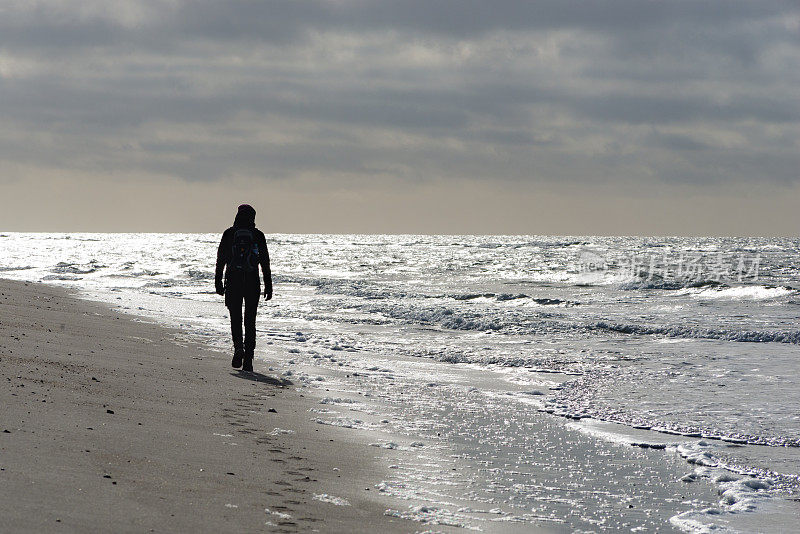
[[502, 370]]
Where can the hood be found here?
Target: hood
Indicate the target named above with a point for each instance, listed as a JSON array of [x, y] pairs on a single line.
[[245, 217]]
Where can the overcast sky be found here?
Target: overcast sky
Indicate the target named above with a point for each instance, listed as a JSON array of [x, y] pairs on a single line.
[[410, 116]]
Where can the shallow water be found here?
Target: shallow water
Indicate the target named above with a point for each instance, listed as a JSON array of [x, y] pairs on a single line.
[[699, 336]]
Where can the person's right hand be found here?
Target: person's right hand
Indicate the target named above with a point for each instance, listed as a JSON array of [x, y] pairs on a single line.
[[220, 288]]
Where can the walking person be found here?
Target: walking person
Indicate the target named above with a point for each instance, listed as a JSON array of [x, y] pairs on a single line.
[[242, 249]]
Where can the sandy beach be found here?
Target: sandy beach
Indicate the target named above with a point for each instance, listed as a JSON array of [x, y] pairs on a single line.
[[108, 424]]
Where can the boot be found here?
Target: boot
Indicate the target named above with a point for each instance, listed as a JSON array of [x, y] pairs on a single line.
[[247, 365], [236, 362]]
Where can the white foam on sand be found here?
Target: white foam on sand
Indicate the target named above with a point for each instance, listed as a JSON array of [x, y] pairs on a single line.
[[699, 453], [337, 401], [699, 522], [395, 446], [345, 422], [621, 434], [739, 493], [431, 515], [281, 515], [324, 497]]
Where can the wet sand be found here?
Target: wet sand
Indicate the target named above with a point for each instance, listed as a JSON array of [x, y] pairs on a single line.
[[111, 424]]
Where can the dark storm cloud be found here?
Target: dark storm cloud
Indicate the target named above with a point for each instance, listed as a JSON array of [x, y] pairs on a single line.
[[546, 90]]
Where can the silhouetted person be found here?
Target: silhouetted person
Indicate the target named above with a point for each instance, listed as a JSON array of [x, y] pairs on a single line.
[[242, 249]]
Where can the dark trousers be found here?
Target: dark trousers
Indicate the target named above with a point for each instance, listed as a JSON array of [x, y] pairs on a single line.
[[233, 300]]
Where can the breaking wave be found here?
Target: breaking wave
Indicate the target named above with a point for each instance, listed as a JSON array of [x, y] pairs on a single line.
[[702, 333], [8, 269], [669, 285], [72, 268]]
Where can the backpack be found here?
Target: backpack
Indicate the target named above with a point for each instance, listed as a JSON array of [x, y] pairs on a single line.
[[245, 251]]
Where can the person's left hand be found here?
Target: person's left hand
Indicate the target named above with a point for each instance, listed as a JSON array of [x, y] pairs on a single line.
[[267, 295]]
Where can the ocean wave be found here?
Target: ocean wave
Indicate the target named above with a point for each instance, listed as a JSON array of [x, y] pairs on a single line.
[[71, 268], [748, 292], [553, 244], [199, 275], [164, 283], [669, 285], [692, 332], [175, 283], [356, 288], [553, 302], [280, 278], [7, 269], [62, 277], [353, 288], [428, 311], [144, 272], [472, 296], [509, 322], [710, 289], [441, 316], [137, 274], [504, 297], [578, 398]]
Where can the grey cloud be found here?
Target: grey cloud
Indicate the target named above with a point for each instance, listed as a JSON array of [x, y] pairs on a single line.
[[459, 18], [677, 142], [666, 109], [285, 20], [584, 110]]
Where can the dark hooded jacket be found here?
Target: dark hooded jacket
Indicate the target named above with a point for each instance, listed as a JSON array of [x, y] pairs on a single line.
[[245, 218]]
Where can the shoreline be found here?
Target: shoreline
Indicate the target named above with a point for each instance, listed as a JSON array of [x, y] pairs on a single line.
[[109, 425]]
